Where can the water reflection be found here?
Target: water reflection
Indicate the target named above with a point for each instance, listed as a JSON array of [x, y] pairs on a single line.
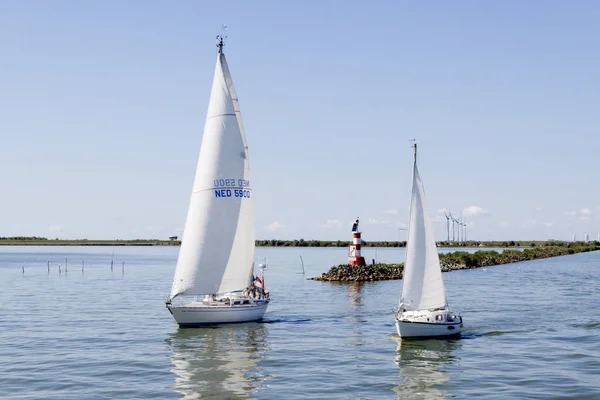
[[422, 364], [354, 295], [357, 319], [219, 363]]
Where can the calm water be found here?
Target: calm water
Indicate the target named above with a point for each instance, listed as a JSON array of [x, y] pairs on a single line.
[[531, 332]]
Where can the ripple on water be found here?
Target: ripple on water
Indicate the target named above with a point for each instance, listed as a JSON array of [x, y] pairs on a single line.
[[106, 335]]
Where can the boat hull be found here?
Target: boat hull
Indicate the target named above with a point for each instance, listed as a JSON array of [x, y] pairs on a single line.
[[189, 316], [410, 329]]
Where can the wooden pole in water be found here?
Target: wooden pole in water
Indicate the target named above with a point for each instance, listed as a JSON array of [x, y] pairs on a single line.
[[23, 269], [66, 265], [302, 261], [82, 265], [123, 266], [112, 257], [48, 262], [59, 271]]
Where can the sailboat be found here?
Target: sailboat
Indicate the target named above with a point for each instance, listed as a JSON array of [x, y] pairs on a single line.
[[423, 309], [214, 278]]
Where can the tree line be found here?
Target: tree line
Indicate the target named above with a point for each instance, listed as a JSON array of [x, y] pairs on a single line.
[[364, 243]]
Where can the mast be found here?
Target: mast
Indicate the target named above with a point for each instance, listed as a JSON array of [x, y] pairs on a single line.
[[220, 43], [415, 151]]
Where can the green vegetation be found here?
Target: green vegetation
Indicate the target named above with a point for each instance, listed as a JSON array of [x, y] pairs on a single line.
[[484, 258], [41, 241], [345, 243]]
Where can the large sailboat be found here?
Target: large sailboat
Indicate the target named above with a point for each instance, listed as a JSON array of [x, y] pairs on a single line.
[[214, 279], [423, 310]]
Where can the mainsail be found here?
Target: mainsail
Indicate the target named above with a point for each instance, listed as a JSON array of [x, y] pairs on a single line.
[[217, 249], [422, 284]]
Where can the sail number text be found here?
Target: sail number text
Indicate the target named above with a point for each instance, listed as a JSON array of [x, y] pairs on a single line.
[[232, 193], [231, 183], [232, 188]]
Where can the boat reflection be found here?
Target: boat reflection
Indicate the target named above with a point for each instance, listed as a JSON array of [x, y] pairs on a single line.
[[422, 364], [220, 362]]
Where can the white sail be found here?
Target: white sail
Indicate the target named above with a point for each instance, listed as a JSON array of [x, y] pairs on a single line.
[[422, 284], [217, 249], [239, 270]]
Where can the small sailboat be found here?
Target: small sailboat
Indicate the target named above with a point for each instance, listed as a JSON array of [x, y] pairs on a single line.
[[214, 279], [423, 309]]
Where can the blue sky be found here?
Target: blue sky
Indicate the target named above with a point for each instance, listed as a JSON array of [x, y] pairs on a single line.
[[102, 106]]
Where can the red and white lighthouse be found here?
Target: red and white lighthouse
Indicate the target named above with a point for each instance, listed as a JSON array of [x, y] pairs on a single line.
[[354, 257]]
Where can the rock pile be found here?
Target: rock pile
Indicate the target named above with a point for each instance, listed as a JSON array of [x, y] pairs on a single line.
[[355, 273]]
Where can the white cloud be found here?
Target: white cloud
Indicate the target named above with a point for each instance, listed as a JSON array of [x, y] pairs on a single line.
[[273, 226], [474, 210], [548, 224], [376, 221], [55, 228], [440, 215], [530, 223], [504, 224], [584, 214], [391, 211], [332, 224]]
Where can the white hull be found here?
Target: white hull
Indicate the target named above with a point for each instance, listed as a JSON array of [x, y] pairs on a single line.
[[428, 324], [196, 314], [426, 329]]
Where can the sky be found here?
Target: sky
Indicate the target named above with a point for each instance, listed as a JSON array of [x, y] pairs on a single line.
[[102, 107]]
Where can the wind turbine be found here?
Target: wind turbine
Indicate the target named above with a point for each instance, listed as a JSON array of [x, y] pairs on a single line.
[[457, 230], [453, 221], [448, 225]]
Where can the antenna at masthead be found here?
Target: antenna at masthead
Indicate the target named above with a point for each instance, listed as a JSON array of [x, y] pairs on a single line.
[[220, 43], [414, 146], [220, 38]]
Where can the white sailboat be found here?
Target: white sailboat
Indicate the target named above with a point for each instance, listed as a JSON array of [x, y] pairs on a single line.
[[213, 280], [423, 310]]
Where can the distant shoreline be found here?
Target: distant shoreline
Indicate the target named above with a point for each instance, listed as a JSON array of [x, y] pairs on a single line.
[[89, 242], [21, 241]]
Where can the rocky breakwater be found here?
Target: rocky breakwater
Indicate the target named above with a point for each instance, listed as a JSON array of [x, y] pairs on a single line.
[[355, 273], [456, 261]]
